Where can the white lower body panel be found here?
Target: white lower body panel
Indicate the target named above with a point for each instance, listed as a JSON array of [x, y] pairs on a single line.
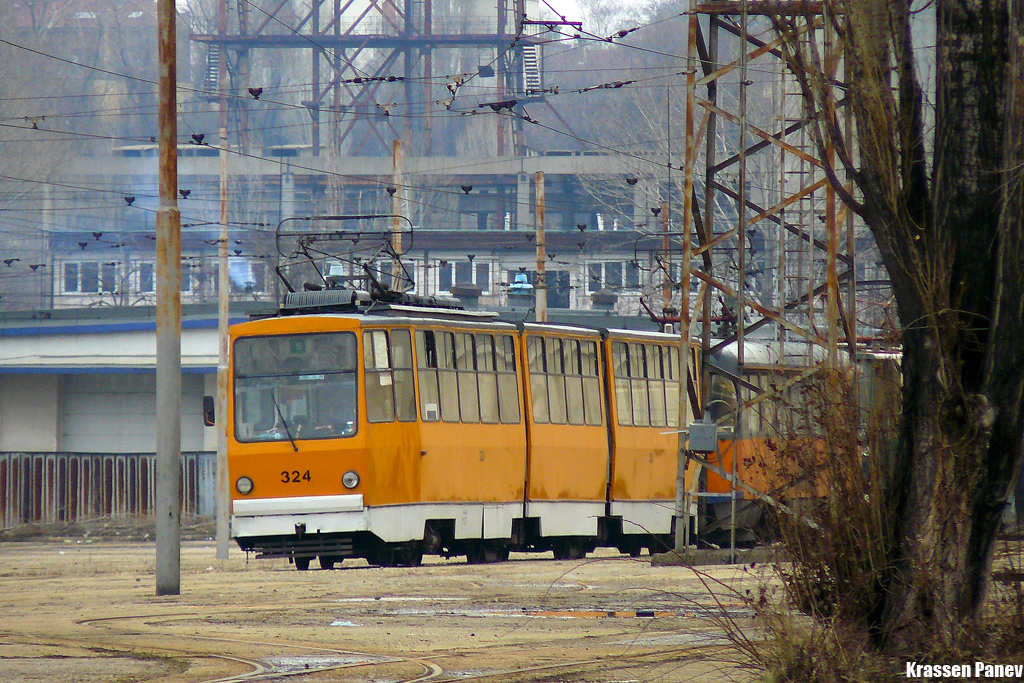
[[472, 520], [566, 517], [644, 516], [391, 523]]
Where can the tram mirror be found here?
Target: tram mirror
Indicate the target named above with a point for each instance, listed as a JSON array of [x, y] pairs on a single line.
[[209, 415]]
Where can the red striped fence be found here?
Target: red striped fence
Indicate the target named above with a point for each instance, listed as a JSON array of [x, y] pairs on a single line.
[[69, 487]]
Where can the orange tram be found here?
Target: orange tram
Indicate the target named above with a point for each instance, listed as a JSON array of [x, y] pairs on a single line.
[[389, 432]]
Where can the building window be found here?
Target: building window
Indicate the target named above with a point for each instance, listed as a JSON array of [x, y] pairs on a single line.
[[612, 275], [482, 275], [595, 277], [90, 277], [146, 277], [246, 277], [444, 276], [464, 273], [108, 277], [70, 277], [632, 274]]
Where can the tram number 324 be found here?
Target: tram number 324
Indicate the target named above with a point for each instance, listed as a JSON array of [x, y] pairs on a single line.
[[294, 477]]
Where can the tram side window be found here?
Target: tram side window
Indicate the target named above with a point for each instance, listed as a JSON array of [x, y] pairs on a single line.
[[638, 385], [405, 388], [426, 363], [439, 390], [465, 366], [467, 377], [388, 375], [556, 380], [508, 386], [591, 383], [672, 378], [573, 381], [487, 378], [564, 381], [538, 380], [623, 400], [722, 400], [646, 384], [656, 383]]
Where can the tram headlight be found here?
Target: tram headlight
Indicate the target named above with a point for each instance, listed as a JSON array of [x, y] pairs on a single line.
[[244, 485], [350, 480]]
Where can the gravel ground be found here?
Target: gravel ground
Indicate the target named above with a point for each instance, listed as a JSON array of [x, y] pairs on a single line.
[[85, 609]]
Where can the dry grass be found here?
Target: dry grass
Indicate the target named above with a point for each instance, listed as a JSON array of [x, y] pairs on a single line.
[[816, 606]]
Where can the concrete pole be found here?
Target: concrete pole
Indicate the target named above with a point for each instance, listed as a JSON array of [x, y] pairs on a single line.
[[682, 535], [741, 289], [223, 289], [168, 317], [540, 286], [666, 256]]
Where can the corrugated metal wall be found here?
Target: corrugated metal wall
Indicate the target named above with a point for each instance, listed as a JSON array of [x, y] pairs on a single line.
[[68, 487]]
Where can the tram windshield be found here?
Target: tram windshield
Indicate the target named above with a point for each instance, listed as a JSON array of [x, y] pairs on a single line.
[[295, 386]]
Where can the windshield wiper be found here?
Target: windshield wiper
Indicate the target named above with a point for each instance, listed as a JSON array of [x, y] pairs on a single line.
[[284, 423]]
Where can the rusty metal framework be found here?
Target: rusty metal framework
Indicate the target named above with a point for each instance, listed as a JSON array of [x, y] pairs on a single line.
[[372, 64], [774, 249], [764, 213]]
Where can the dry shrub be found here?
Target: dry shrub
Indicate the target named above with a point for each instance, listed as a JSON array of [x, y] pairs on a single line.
[[835, 547]]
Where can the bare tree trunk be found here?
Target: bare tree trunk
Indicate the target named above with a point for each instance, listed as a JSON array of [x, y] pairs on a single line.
[[961, 439], [952, 241]]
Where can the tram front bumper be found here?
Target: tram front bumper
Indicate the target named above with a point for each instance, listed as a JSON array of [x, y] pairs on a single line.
[[284, 516]]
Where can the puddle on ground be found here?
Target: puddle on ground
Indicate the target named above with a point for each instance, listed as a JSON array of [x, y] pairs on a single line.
[[289, 664]]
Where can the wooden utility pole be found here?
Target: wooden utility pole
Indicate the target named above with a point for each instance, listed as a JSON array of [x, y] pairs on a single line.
[[168, 317], [540, 286]]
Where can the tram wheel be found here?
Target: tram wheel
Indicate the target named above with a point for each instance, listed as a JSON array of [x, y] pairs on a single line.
[[567, 549], [632, 547], [475, 554], [411, 555], [399, 555], [384, 556], [302, 563], [328, 562], [486, 552]]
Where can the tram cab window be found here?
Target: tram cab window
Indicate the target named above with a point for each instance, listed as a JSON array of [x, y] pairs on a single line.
[[296, 386]]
